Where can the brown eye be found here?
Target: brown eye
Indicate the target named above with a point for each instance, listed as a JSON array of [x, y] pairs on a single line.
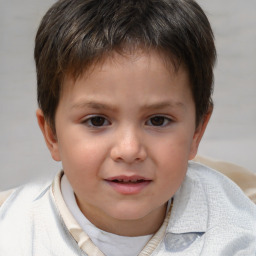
[[96, 121], [158, 121]]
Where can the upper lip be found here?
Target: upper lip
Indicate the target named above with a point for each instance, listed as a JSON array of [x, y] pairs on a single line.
[[125, 178]]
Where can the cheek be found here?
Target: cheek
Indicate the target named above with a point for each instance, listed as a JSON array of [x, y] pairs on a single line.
[[82, 164], [173, 168], [171, 175], [81, 155], [174, 148], [172, 158]]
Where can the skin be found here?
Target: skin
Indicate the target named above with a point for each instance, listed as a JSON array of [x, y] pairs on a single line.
[[129, 116]]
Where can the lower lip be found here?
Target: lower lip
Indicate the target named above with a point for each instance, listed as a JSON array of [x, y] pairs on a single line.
[[128, 188]]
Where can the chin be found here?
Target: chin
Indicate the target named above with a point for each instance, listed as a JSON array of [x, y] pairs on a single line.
[[129, 213]]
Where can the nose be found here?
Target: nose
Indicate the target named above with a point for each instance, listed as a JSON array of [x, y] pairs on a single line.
[[128, 147]]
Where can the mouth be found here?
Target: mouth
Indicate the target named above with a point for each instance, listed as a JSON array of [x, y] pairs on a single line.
[[128, 185], [128, 181]]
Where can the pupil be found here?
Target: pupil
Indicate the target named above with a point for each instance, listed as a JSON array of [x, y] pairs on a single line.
[[157, 120], [98, 121]]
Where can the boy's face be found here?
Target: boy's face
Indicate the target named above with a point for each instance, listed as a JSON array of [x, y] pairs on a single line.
[[124, 133]]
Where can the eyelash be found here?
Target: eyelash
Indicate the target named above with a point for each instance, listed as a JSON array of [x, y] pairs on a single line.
[[102, 121]]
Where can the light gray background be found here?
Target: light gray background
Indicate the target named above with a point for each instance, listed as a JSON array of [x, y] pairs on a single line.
[[231, 133]]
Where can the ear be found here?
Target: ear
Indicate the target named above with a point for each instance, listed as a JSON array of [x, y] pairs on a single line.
[[199, 132], [49, 135]]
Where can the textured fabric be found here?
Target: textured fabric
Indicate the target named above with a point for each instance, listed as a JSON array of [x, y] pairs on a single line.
[[244, 178], [210, 217]]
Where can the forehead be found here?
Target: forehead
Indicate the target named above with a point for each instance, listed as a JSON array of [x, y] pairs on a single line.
[[139, 74], [150, 64], [123, 54]]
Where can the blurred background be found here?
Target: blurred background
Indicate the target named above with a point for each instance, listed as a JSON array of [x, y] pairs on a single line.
[[231, 134]]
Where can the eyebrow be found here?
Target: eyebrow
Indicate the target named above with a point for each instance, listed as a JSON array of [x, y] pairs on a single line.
[[164, 104], [150, 106], [93, 105]]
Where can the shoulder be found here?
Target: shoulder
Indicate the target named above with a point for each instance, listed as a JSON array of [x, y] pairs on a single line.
[[4, 195], [29, 219], [244, 178], [223, 197], [209, 175], [213, 181], [18, 209], [21, 197]]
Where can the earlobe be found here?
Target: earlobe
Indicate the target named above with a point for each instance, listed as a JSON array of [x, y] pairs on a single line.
[[199, 132], [49, 135]]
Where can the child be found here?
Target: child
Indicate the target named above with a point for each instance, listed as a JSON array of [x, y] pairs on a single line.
[[124, 93]]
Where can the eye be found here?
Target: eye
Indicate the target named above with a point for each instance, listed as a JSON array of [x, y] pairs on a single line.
[[96, 121], [158, 121]]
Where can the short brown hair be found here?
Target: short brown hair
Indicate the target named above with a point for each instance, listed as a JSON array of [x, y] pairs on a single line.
[[73, 34]]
